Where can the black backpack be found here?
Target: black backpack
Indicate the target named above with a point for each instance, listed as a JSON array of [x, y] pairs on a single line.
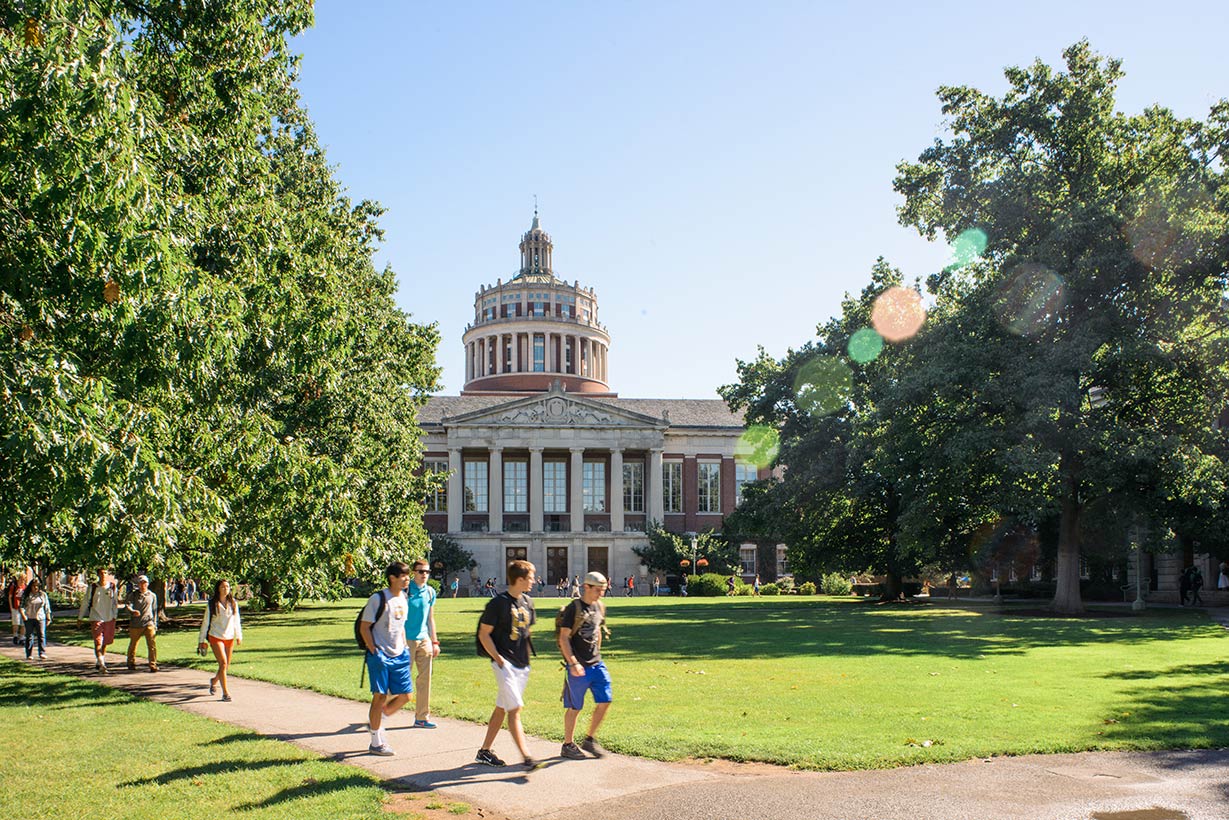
[[358, 619]]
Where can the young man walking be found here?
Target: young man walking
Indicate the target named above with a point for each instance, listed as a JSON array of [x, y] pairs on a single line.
[[503, 633], [422, 638], [580, 641], [143, 621], [16, 589], [101, 606], [388, 655]]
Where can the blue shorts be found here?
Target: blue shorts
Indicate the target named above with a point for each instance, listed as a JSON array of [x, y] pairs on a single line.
[[596, 680], [389, 676]]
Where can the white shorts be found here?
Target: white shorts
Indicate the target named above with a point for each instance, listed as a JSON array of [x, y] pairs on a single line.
[[511, 682]]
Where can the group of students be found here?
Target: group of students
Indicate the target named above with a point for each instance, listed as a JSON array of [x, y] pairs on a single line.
[[397, 627]]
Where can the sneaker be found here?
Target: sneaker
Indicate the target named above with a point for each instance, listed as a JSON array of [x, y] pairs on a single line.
[[132, 667], [105, 670], [153, 669], [423, 724], [42, 656], [227, 699], [98, 667], [572, 752], [213, 688], [382, 749], [531, 765], [488, 758], [590, 745]]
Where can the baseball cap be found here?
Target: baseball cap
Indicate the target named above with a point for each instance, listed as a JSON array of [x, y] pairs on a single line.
[[141, 578], [596, 578]]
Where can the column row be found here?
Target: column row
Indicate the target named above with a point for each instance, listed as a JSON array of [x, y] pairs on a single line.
[[536, 353]]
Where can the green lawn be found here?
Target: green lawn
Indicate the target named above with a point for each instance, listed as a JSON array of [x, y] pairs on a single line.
[[814, 682], [74, 749]]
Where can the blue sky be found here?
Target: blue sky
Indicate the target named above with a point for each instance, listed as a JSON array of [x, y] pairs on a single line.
[[721, 173]]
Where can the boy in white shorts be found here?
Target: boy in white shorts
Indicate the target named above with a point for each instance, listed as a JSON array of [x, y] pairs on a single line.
[[503, 632]]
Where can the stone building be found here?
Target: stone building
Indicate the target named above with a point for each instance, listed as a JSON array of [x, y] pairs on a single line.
[[546, 462]]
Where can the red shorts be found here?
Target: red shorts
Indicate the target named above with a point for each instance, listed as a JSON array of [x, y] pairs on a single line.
[[103, 629], [224, 643]]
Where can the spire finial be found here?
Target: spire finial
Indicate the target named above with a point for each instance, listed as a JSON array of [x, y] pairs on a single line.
[[535, 226]]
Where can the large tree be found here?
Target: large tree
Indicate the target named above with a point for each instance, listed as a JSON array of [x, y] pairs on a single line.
[[1096, 318], [201, 370]]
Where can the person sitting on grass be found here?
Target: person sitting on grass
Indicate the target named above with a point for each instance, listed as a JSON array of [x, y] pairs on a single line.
[[221, 629]]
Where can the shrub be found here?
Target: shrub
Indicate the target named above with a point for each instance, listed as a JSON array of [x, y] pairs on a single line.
[[807, 589], [435, 585], [706, 585], [770, 589], [786, 584], [834, 583]]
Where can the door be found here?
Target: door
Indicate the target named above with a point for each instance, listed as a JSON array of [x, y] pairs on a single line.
[[514, 554], [556, 564], [598, 560]]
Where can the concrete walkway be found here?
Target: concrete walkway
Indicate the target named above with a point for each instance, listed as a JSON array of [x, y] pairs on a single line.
[[1105, 786]]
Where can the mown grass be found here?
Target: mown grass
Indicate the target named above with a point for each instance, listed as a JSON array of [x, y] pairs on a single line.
[[75, 749], [814, 682]]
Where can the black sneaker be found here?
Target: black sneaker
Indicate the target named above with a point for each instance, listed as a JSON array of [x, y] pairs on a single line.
[[572, 752], [488, 758], [590, 745], [531, 765]]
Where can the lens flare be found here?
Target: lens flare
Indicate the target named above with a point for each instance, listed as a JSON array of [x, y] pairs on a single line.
[[898, 313], [1030, 299], [823, 385], [758, 445], [969, 245], [865, 346]]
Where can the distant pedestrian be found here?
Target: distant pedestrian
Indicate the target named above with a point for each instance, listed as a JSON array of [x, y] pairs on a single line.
[[36, 613], [422, 639], [100, 605], [683, 586], [388, 654], [1196, 585], [503, 633], [755, 587], [1222, 582], [631, 587], [221, 630], [1184, 586], [729, 585], [581, 624], [541, 585], [16, 589], [561, 586], [575, 586], [142, 622], [656, 586], [455, 586]]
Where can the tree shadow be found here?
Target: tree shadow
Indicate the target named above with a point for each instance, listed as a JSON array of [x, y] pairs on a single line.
[[216, 767], [307, 790], [1189, 713]]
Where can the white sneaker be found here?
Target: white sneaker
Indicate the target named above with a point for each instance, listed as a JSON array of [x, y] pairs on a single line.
[[383, 750]]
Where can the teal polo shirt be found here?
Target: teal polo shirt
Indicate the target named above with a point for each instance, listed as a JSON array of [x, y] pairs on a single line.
[[421, 600]]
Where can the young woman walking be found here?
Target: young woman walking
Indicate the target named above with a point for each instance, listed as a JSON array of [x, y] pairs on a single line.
[[221, 630], [36, 612]]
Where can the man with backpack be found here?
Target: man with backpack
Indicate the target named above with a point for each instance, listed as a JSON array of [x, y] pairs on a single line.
[[503, 636], [101, 604], [382, 630], [579, 627]]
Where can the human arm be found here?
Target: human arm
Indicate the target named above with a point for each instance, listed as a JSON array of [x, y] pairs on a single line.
[[238, 626], [488, 643], [435, 641], [575, 668], [206, 621]]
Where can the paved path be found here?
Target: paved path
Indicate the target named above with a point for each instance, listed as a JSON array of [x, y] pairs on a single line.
[[1192, 785]]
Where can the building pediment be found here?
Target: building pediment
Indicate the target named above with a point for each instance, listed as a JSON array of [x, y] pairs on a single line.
[[555, 408]]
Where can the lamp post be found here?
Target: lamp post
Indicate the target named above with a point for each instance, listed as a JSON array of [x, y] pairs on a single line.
[[1139, 604], [694, 540]]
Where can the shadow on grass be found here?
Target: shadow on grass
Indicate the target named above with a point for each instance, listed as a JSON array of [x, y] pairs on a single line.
[[1189, 713], [28, 686], [216, 767], [309, 789]]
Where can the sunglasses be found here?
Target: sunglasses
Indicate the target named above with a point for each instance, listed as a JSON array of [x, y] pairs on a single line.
[[422, 572]]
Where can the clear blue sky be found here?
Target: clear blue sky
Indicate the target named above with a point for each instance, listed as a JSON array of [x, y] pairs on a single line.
[[720, 172]]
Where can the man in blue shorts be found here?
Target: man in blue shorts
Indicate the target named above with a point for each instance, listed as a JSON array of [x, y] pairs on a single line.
[[388, 654], [580, 640]]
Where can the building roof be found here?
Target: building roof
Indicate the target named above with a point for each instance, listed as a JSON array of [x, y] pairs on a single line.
[[693, 413]]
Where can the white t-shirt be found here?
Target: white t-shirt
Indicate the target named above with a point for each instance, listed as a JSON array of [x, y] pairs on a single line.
[[388, 633]]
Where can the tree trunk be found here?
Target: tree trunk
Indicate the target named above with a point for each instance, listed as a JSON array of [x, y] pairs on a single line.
[[893, 587], [267, 594], [1067, 600]]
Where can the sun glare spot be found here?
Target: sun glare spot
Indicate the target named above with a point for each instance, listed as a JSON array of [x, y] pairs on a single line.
[[758, 445], [865, 345], [1030, 299], [969, 245], [898, 313], [823, 385]]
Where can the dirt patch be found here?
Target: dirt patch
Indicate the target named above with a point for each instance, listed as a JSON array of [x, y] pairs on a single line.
[[434, 806]]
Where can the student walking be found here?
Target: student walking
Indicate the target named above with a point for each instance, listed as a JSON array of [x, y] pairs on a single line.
[[582, 623], [422, 639], [36, 613], [101, 606], [455, 586], [221, 630], [143, 622], [382, 626], [16, 589], [656, 586], [503, 633]]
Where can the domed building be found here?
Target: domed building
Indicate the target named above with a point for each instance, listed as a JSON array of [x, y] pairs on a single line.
[[545, 462]]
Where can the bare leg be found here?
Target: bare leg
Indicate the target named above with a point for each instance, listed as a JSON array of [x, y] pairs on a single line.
[[518, 734], [492, 727], [599, 714], [569, 724], [219, 652]]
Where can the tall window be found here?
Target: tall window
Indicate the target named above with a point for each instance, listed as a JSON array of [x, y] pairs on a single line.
[[507, 343], [672, 486], [782, 561], [746, 559], [743, 474], [633, 487], [539, 308], [593, 486], [555, 486], [437, 499], [475, 486], [516, 486], [539, 353], [709, 487]]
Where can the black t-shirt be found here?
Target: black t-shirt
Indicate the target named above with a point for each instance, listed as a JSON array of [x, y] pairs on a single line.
[[511, 619], [586, 640]]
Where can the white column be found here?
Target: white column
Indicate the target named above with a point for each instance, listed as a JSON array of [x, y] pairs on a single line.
[[495, 495], [655, 505], [616, 490], [535, 489], [516, 353], [577, 505], [499, 353], [455, 496], [550, 352]]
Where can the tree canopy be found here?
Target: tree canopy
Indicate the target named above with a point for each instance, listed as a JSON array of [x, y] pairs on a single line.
[[202, 372]]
